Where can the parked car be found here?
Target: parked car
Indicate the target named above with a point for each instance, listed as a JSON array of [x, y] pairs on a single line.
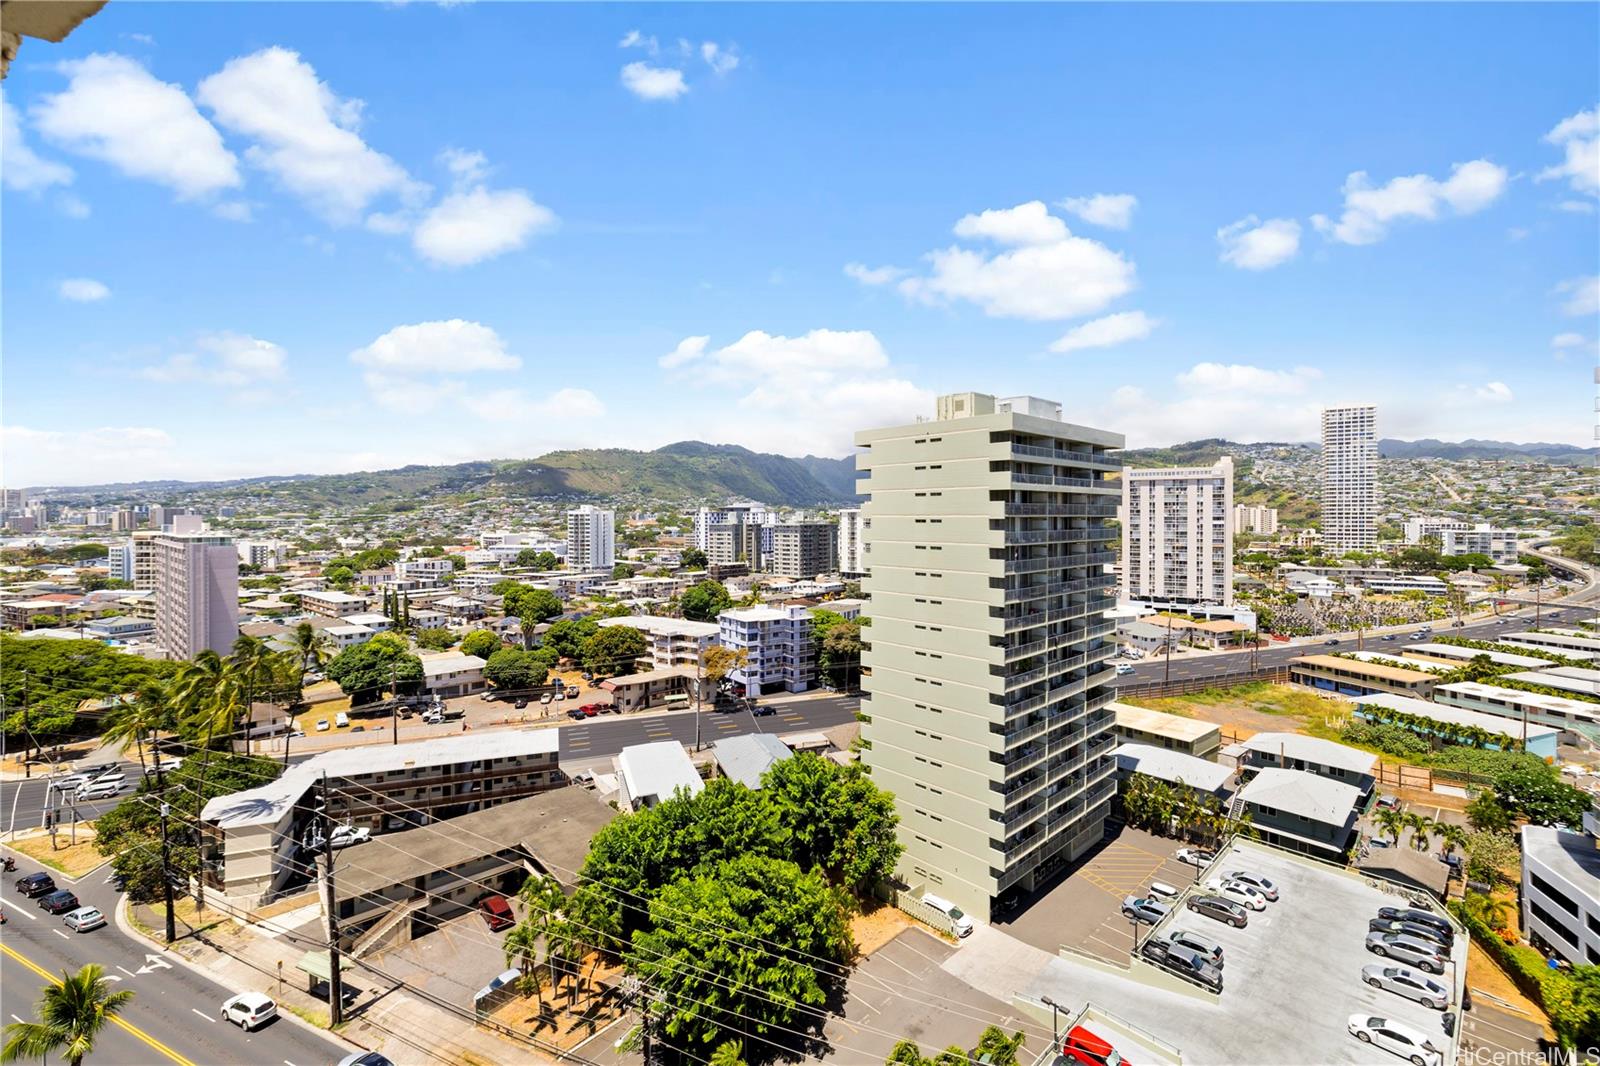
[[59, 902], [1404, 981], [546, 698], [341, 719], [590, 711], [959, 919], [496, 911], [1194, 856], [1223, 910], [1145, 909], [1124, 669], [84, 919], [558, 696], [1243, 895], [1412, 914], [1416, 929], [576, 714], [1086, 1048], [572, 692], [364, 1058], [431, 717], [358, 729], [1163, 890], [1424, 953], [1389, 803], [1208, 948], [1183, 962], [1400, 1039], [35, 885], [162, 766], [249, 1010], [1257, 882], [345, 835], [520, 702], [322, 725]]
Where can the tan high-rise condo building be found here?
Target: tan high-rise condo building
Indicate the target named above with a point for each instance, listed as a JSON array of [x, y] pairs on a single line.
[[197, 593], [987, 684], [1349, 478]]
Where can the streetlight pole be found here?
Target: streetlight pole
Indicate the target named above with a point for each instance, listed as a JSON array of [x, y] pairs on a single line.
[[1055, 1030], [166, 876]]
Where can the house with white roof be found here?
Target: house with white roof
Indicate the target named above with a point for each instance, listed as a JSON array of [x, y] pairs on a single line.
[[650, 773], [452, 673], [1173, 767]]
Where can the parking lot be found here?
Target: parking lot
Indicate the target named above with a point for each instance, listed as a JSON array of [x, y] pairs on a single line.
[[1083, 910]]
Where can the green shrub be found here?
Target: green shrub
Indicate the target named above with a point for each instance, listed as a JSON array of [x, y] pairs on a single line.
[[1570, 997], [1389, 739]]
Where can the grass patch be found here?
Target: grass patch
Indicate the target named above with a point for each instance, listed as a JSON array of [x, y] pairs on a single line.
[[73, 860], [317, 1018]]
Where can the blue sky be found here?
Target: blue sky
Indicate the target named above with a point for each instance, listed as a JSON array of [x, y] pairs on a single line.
[[247, 239]]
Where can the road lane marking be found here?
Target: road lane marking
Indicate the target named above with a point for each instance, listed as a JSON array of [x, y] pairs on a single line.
[[25, 914], [203, 1014], [127, 1026], [60, 934], [127, 971]]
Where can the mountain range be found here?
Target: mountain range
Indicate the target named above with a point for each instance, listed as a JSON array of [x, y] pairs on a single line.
[[695, 470]]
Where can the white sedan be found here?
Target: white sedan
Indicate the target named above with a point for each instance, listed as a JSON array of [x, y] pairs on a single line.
[[1241, 894], [1400, 1039], [1194, 857]]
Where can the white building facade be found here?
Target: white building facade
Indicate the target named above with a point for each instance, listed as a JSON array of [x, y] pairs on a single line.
[[851, 563], [1482, 539], [591, 538], [1561, 893], [1253, 518], [779, 651], [1350, 478], [1177, 534]]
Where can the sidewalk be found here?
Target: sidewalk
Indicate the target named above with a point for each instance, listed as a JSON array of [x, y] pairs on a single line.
[[383, 1016]]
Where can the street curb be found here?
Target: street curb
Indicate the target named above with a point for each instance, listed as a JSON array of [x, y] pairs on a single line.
[[11, 845], [126, 928]]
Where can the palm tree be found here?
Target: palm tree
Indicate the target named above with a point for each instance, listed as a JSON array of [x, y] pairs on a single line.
[[306, 645], [528, 626], [522, 951], [138, 719], [255, 666], [207, 696], [1421, 827], [544, 900], [71, 1015], [1451, 836], [1392, 822]]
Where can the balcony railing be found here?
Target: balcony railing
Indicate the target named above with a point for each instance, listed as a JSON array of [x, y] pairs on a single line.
[[1057, 536], [1062, 455], [1059, 588]]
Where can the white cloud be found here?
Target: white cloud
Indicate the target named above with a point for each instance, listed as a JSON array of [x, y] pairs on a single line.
[[83, 290], [85, 456], [1236, 401], [721, 60], [24, 169], [477, 224], [1251, 244], [1583, 296], [1106, 332], [452, 347], [1029, 223], [235, 211], [465, 167], [1579, 137], [570, 403], [1568, 340], [635, 39], [1370, 209], [72, 206], [1576, 207], [799, 395], [1242, 378], [1049, 274], [873, 275], [1493, 392], [653, 83], [229, 360], [1111, 210], [115, 111], [306, 137]]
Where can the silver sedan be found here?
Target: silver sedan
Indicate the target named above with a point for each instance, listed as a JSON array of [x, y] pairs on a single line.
[[1404, 981]]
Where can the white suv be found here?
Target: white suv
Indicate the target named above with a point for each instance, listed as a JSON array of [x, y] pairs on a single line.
[[249, 1010]]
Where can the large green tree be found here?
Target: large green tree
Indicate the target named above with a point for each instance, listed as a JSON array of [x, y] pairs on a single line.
[[704, 956], [566, 637], [510, 669], [71, 1016], [614, 650], [835, 818], [704, 601], [480, 642], [525, 602], [366, 670]]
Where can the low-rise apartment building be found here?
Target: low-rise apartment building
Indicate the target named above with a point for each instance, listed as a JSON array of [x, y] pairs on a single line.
[[1562, 643], [1303, 812], [1190, 736], [1353, 677], [252, 840], [1483, 539], [1312, 755], [1561, 893], [1580, 718], [672, 641], [779, 650], [452, 673], [1173, 767], [331, 603]]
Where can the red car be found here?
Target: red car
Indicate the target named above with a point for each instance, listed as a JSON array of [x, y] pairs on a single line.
[[590, 709], [1082, 1046], [497, 912]]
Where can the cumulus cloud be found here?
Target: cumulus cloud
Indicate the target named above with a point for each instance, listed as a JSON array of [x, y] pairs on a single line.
[[83, 290], [115, 111], [1106, 332], [1582, 296], [722, 60], [1251, 244], [1578, 136], [25, 170], [1041, 272], [635, 39], [305, 136], [1246, 379], [229, 360], [1493, 392], [450, 347], [800, 395], [1237, 401], [653, 83], [1370, 209], [477, 224], [1111, 210]]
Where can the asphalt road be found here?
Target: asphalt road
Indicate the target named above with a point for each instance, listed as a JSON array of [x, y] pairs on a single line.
[[174, 1015], [600, 738]]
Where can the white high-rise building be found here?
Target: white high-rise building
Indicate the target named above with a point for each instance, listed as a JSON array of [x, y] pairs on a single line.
[[591, 538], [197, 593], [852, 563], [1254, 518], [1349, 478], [1422, 527], [1177, 534], [119, 562], [988, 681]]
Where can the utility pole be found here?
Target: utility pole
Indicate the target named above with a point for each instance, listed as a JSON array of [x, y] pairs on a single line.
[[394, 703], [644, 1008], [1166, 671], [166, 875], [331, 903], [699, 678], [27, 729]]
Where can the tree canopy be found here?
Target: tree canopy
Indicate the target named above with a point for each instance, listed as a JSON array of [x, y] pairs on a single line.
[[704, 601], [513, 668], [364, 671], [614, 650], [480, 642], [566, 637]]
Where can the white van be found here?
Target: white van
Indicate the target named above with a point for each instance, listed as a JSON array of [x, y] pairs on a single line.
[[961, 921], [341, 719]]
